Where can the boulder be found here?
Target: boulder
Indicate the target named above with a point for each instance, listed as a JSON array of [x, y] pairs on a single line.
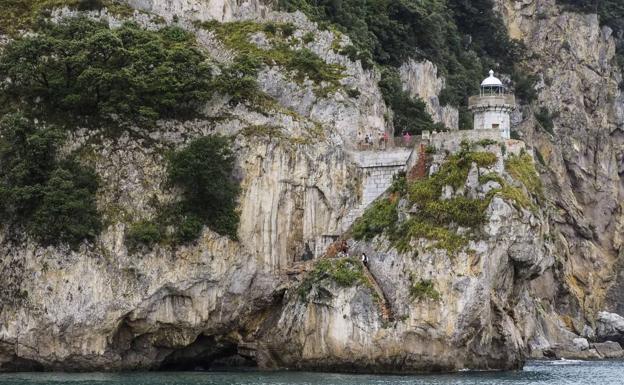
[[609, 349], [581, 343], [609, 327]]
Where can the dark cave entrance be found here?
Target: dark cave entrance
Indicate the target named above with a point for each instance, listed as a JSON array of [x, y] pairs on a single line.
[[211, 354]]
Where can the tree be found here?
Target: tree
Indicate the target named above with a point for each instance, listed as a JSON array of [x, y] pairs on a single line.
[[68, 212], [27, 158], [54, 201], [203, 171], [82, 67]]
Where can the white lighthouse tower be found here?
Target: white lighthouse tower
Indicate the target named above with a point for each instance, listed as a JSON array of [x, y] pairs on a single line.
[[492, 107]]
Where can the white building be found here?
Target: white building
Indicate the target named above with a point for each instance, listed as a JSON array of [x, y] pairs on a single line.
[[492, 107]]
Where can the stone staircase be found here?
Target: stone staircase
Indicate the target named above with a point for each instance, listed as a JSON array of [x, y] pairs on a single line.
[[384, 305]]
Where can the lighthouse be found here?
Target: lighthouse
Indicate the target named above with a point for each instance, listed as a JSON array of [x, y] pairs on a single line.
[[492, 107]]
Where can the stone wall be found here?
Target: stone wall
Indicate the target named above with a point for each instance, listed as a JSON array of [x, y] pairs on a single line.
[[451, 141], [378, 170]]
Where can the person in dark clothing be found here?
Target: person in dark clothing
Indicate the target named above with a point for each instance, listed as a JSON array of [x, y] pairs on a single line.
[[364, 259]]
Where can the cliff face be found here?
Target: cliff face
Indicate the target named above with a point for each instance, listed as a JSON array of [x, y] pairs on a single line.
[[533, 279], [574, 58]]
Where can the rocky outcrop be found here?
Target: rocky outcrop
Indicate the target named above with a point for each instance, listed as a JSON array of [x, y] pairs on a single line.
[[574, 60], [420, 80], [478, 313], [531, 283]]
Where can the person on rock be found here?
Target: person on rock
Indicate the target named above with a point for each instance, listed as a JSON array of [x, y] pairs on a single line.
[[365, 259]]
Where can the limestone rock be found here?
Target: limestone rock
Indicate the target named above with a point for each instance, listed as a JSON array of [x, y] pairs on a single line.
[[609, 349], [609, 326], [420, 80]]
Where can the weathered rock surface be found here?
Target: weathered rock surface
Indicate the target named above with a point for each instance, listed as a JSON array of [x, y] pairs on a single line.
[[574, 58], [420, 80], [532, 284]]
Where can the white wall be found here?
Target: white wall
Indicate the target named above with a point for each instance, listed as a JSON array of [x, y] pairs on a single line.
[[484, 120]]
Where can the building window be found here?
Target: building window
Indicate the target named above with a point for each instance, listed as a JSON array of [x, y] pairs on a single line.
[[495, 126]]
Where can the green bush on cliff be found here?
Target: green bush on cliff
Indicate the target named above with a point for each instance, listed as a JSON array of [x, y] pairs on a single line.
[[522, 168], [204, 172], [410, 114], [143, 232], [346, 272], [423, 289], [432, 218], [379, 217], [67, 212], [83, 69], [54, 200]]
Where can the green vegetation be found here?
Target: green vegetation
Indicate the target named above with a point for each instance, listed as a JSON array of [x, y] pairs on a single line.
[[423, 289], [522, 169], [345, 272], [204, 172], [410, 115], [381, 216], [436, 219], [303, 63], [463, 38], [143, 233], [53, 200], [80, 68], [545, 119]]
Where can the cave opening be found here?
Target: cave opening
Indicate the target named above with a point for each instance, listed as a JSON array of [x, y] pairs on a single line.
[[210, 354]]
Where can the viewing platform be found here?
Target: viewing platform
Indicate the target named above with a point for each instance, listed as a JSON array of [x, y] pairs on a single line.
[[486, 101]]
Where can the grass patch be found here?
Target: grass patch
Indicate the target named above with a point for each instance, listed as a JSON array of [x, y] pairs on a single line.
[[302, 63], [435, 219], [346, 272], [522, 168], [423, 289]]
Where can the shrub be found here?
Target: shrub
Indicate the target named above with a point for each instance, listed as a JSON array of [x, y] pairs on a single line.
[[144, 233], [345, 272], [380, 216], [190, 227], [308, 37], [55, 201], [410, 115], [27, 157], [307, 63], [203, 171]]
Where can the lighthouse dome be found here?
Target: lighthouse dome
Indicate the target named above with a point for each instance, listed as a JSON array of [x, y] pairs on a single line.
[[491, 81]]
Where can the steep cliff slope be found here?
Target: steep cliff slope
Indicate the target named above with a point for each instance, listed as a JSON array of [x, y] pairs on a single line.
[[473, 264]]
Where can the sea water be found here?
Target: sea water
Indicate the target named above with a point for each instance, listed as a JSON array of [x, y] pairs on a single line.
[[534, 373]]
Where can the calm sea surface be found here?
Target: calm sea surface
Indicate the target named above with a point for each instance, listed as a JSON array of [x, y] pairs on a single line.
[[548, 372]]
